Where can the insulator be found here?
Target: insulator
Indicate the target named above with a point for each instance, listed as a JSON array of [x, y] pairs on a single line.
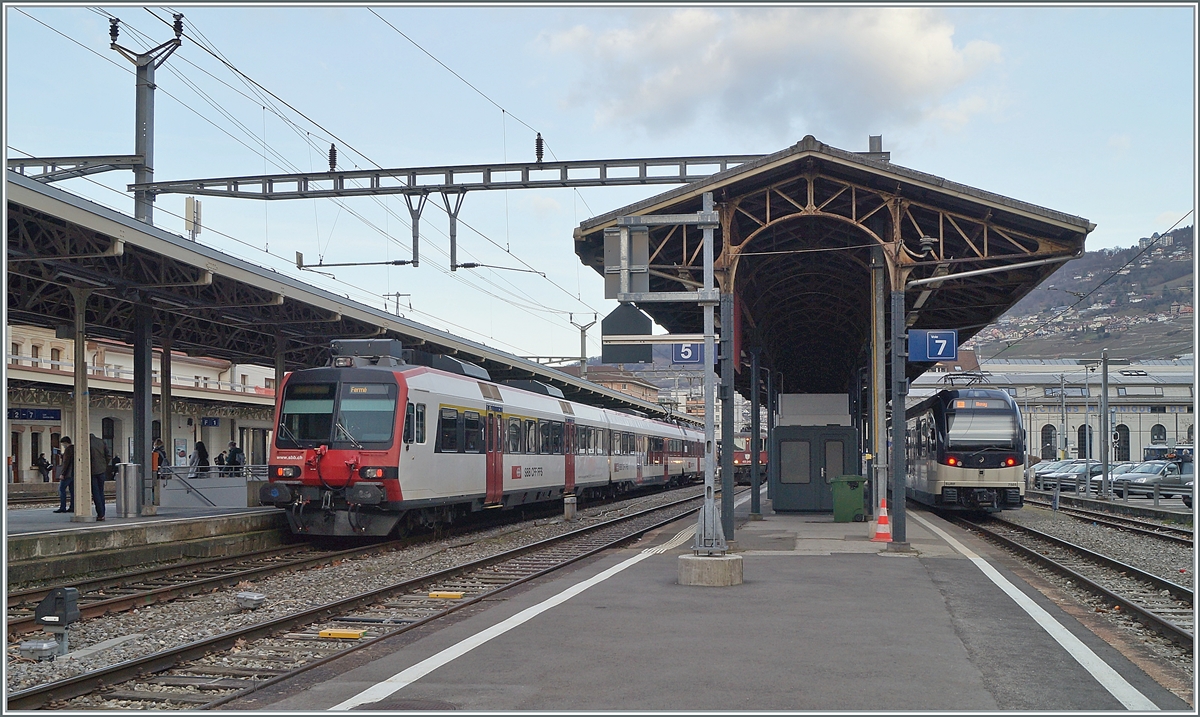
[[178, 24], [114, 28], [538, 146], [332, 158]]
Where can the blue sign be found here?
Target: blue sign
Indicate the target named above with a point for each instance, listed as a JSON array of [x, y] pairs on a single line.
[[932, 345], [35, 414], [210, 421], [687, 353]]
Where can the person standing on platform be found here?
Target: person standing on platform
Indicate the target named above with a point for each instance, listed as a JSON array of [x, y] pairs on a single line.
[[43, 467], [66, 483], [101, 457], [199, 462], [158, 457], [235, 458]]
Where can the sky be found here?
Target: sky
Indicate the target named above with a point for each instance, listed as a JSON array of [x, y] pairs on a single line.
[[1087, 110]]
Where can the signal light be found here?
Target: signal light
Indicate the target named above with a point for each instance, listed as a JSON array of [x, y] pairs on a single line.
[[951, 461], [287, 471], [343, 362]]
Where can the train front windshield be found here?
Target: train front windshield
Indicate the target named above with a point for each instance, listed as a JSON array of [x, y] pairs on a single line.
[[316, 414], [971, 427]]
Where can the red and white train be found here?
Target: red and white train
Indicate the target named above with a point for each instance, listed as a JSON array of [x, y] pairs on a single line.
[[384, 440]]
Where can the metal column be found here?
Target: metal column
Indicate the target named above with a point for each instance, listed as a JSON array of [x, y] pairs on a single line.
[[84, 511], [1104, 426], [899, 389], [143, 396], [755, 508], [727, 418], [710, 537], [772, 402], [878, 380], [166, 417]]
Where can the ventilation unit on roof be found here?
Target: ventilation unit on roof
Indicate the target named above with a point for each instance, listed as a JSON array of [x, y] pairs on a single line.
[[449, 364], [535, 387], [1132, 372]]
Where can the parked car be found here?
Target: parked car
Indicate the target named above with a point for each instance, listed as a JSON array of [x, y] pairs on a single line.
[[1187, 497], [1041, 469], [1164, 474], [1115, 475], [1071, 475]]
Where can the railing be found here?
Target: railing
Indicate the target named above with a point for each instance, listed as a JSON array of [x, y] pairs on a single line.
[[255, 472], [113, 371]]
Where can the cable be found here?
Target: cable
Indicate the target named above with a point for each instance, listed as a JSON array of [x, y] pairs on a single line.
[[1083, 298]]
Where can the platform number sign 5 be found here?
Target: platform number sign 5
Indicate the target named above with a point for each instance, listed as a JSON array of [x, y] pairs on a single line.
[[687, 353], [932, 345]]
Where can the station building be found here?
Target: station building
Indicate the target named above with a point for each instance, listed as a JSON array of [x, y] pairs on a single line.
[[213, 400], [1150, 403]]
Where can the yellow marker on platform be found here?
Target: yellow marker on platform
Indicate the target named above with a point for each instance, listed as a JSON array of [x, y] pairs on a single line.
[[445, 595], [346, 634]]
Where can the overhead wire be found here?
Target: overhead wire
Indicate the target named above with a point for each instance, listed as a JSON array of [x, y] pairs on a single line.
[[1116, 272], [217, 55], [533, 306]]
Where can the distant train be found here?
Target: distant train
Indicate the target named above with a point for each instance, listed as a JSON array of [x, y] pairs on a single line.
[[385, 440], [742, 463], [966, 451]]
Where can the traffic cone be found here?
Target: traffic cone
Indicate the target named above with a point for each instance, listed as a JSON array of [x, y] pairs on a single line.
[[883, 529]]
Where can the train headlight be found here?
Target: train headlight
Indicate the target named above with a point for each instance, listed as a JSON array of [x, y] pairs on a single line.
[[285, 471], [952, 461], [343, 362], [377, 473]]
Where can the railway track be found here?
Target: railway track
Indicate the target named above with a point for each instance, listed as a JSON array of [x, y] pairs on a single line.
[[1142, 527], [1160, 604], [222, 668]]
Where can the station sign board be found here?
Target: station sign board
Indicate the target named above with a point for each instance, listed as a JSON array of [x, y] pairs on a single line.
[[925, 345]]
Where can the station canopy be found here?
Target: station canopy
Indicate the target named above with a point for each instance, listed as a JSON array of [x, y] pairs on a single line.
[[798, 230], [211, 303]]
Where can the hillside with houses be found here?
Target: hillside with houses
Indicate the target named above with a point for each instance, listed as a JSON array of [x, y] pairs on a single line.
[[1137, 301]]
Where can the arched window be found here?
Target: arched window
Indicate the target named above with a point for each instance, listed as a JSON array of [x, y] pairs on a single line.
[[1049, 442], [1121, 449], [1084, 443], [1158, 434]]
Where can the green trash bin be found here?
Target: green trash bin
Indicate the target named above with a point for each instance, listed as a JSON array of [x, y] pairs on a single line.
[[848, 499]]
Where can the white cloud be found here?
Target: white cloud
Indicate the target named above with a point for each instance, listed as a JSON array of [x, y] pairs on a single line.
[[781, 72]]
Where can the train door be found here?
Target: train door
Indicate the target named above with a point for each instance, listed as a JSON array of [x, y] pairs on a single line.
[[570, 441], [495, 457]]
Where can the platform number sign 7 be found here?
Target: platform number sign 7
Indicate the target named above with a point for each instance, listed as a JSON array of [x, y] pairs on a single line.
[[933, 345]]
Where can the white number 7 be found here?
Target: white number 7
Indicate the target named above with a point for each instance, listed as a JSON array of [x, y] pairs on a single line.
[[941, 344]]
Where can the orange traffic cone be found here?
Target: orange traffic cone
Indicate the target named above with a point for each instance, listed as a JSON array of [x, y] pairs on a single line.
[[883, 529]]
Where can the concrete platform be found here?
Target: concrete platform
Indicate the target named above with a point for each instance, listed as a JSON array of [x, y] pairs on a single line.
[[824, 620], [44, 545]]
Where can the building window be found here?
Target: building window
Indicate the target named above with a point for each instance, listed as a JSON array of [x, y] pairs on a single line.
[[1121, 449], [1049, 441], [16, 352], [1158, 434], [197, 381], [1084, 443], [1121, 391], [55, 358], [269, 383], [35, 353]]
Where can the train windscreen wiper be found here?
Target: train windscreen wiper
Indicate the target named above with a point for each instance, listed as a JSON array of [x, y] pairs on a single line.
[[338, 425]]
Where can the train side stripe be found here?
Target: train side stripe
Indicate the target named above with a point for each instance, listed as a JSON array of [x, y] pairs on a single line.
[[1108, 678]]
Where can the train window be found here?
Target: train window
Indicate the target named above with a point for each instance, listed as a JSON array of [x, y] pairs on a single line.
[[306, 417], [420, 423], [531, 437], [556, 437], [410, 419], [473, 438], [448, 431], [366, 413], [980, 429], [544, 444], [515, 436]]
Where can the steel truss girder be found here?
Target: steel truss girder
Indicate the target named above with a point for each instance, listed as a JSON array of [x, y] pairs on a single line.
[[455, 179], [54, 169], [33, 394]]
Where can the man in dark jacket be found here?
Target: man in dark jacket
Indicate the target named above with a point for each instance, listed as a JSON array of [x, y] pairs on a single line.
[[101, 457], [66, 483]]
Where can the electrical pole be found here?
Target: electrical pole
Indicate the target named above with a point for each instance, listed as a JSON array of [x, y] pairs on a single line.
[[583, 357], [146, 63], [1062, 399], [1104, 426]]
